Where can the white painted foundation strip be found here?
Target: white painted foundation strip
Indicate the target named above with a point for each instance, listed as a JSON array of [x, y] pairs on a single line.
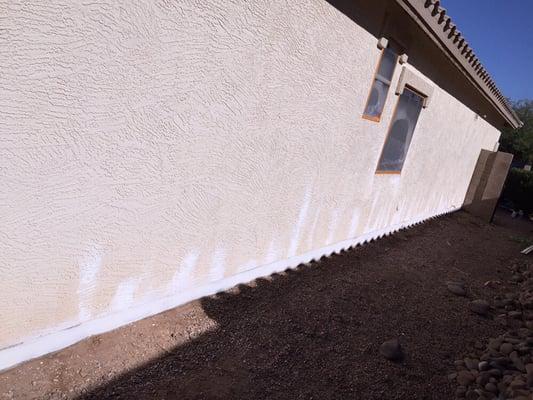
[[63, 337]]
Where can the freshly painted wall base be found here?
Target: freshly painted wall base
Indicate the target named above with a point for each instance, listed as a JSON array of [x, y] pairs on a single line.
[[61, 338]]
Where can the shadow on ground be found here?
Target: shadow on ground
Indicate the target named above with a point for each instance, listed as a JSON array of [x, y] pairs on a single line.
[[315, 332]]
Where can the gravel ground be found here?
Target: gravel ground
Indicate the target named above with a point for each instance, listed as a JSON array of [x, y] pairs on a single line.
[[311, 333]]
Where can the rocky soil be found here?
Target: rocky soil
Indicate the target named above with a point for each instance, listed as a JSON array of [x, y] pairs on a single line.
[[502, 367]]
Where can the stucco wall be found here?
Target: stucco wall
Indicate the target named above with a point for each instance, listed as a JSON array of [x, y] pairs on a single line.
[[155, 150]]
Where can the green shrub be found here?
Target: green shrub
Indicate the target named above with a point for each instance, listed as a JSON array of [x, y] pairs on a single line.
[[519, 189]]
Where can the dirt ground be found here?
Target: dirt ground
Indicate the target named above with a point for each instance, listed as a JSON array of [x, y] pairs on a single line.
[[309, 333]]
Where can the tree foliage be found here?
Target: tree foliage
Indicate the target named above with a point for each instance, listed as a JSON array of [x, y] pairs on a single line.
[[520, 141], [519, 189]]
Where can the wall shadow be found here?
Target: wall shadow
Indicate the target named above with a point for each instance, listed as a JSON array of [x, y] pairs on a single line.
[[315, 332]]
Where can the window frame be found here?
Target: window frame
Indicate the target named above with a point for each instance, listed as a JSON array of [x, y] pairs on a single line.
[[382, 80], [390, 172]]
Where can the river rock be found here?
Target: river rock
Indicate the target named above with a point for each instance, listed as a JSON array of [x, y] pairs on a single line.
[[506, 348], [480, 307], [529, 372], [483, 365], [471, 364], [456, 289], [391, 350], [518, 363], [465, 378], [491, 387]]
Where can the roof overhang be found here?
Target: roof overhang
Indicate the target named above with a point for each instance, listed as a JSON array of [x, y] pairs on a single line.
[[432, 19]]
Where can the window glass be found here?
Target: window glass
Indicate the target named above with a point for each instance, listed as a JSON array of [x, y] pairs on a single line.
[[401, 131], [386, 66], [380, 86], [376, 100]]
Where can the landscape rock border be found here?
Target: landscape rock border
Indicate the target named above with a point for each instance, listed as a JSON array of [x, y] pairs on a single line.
[[503, 367]]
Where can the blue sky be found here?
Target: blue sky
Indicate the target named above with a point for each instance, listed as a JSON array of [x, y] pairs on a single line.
[[501, 34]]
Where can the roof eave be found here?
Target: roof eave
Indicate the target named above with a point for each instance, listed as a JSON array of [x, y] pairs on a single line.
[[432, 19]]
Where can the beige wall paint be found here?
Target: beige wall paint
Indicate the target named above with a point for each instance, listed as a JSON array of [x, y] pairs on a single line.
[[148, 149]]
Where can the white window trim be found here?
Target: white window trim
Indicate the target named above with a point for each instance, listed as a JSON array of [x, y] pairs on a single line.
[[415, 82]]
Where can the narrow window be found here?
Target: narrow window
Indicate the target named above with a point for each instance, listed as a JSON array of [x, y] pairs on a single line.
[[381, 84], [401, 132]]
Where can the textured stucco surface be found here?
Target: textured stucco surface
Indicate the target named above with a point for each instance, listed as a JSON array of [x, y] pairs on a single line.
[[150, 148]]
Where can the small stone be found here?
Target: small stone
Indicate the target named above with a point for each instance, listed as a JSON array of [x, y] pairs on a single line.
[[506, 348], [452, 376], [471, 395], [480, 307], [391, 350], [483, 366], [517, 361], [499, 362], [456, 289], [460, 391], [495, 372], [529, 372], [502, 387], [495, 344], [508, 375], [457, 282], [483, 378], [512, 340], [491, 387], [465, 378], [471, 364], [514, 314], [517, 383]]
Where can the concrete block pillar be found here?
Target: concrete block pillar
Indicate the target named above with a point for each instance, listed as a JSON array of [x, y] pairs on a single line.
[[486, 183]]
